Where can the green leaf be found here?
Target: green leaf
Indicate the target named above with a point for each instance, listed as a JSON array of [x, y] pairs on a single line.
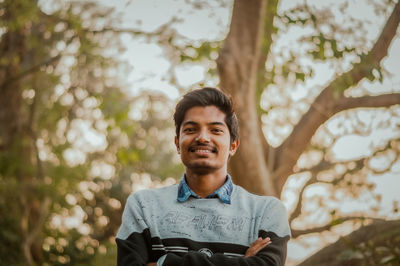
[[350, 254], [388, 259]]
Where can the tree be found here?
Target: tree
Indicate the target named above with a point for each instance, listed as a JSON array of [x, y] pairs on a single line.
[[374, 243], [49, 77], [239, 67], [67, 143], [242, 72]]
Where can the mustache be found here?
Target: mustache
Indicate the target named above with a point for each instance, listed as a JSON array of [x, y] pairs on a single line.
[[200, 145]]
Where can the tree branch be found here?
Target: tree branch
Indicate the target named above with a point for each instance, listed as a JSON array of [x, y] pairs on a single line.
[[161, 34], [384, 100], [30, 70], [335, 222], [297, 211], [322, 166], [393, 147], [364, 240], [324, 105], [37, 226]]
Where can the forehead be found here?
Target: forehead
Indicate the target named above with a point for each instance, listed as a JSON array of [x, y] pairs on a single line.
[[207, 114]]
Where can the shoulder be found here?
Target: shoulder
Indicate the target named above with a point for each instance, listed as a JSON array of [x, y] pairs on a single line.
[[271, 208], [154, 193], [266, 201]]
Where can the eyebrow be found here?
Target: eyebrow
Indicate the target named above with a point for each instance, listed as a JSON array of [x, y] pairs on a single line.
[[195, 124]]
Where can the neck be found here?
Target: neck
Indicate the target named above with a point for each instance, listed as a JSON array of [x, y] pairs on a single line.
[[205, 184]]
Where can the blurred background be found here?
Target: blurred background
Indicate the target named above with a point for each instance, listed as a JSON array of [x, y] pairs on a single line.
[[88, 89]]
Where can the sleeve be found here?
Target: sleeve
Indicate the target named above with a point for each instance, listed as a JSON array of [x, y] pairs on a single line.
[[161, 260], [274, 225], [133, 237]]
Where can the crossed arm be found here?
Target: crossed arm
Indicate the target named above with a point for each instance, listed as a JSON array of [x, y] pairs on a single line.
[[254, 248], [136, 245], [264, 251]]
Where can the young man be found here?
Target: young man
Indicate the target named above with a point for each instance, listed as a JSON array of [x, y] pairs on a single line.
[[206, 219]]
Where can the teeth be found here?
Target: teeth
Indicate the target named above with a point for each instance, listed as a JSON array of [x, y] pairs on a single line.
[[202, 151]]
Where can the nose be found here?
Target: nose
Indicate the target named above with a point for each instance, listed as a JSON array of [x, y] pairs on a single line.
[[203, 136]]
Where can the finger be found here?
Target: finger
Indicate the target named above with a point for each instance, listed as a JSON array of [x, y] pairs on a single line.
[[267, 239], [256, 246], [258, 240], [260, 244], [261, 240]]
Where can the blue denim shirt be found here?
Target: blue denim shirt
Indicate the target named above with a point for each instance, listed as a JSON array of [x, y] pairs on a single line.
[[223, 193]]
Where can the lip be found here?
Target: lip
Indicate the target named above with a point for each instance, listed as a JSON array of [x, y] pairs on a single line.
[[202, 153], [202, 149]]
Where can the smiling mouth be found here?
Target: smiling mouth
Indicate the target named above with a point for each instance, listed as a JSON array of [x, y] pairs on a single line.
[[203, 149]]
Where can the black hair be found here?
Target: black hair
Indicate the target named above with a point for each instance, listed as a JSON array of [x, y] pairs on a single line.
[[208, 97]]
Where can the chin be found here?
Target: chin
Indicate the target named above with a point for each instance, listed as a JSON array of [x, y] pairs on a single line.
[[202, 171], [201, 167]]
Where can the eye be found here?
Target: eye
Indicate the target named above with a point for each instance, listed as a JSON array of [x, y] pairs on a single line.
[[188, 130], [217, 130]]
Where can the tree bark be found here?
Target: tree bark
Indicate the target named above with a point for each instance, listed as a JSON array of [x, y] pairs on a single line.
[[237, 66], [18, 140], [369, 245]]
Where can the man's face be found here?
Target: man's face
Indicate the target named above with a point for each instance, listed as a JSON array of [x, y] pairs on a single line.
[[204, 140]]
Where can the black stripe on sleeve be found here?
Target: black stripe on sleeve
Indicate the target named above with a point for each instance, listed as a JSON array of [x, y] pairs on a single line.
[[134, 250]]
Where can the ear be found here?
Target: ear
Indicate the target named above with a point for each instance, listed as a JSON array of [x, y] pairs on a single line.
[[177, 145], [234, 147]]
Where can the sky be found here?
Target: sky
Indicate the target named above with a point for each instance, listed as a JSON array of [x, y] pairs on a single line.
[[148, 60]]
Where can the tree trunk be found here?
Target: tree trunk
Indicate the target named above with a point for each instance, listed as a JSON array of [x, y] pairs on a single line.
[[237, 66], [17, 140]]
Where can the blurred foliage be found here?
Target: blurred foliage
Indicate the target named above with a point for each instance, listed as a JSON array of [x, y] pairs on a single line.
[[68, 141]]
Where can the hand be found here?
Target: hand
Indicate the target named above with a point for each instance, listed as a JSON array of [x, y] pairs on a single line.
[[256, 246], [151, 264]]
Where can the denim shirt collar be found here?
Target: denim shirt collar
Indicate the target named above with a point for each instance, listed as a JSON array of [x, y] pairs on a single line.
[[223, 193]]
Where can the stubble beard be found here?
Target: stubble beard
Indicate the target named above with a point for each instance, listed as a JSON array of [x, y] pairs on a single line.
[[200, 168]]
